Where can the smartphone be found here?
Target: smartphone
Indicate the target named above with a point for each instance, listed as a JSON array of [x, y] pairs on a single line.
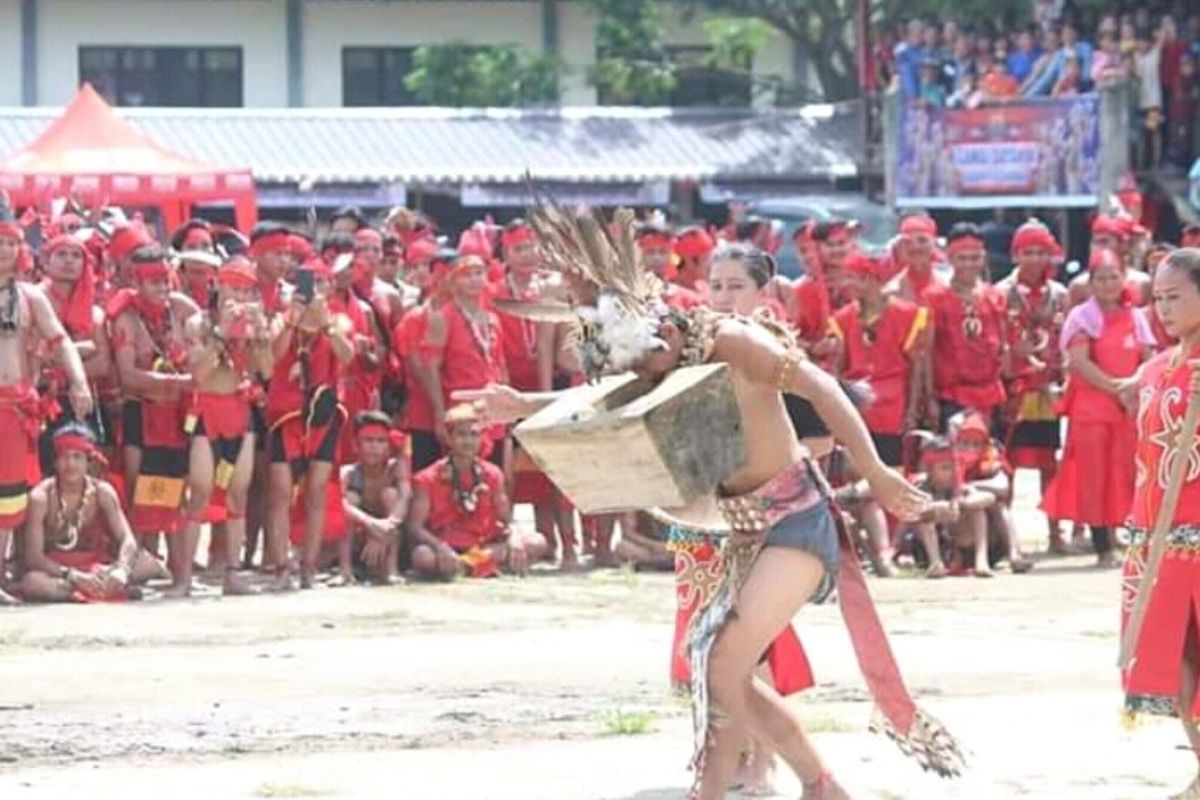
[[304, 285]]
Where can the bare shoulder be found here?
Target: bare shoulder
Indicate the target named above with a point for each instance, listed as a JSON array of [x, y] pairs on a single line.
[[106, 493], [41, 492]]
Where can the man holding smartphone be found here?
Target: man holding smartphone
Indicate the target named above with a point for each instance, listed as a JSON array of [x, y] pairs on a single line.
[[310, 347]]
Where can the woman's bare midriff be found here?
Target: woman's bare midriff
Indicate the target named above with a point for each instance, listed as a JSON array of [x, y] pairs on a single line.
[[771, 443]]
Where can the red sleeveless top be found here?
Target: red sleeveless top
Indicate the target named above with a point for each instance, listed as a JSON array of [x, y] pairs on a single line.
[[448, 520], [471, 359], [883, 362], [520, 342], [1118, 353], [1162, 403], [966, 368]]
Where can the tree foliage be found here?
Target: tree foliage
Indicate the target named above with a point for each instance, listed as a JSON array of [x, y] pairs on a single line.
[[632, 66], [460, 74]]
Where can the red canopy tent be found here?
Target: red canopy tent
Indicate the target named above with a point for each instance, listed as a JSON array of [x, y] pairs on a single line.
[[93, 155]]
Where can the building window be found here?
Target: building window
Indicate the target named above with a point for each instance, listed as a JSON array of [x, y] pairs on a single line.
[[697, 84], [164, 76], [374, 76]]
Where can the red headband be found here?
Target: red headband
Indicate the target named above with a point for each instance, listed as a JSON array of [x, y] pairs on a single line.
[[939, 455], [270, 242], [660, 241], [965, 244], [918, 225], [1111, 226], [420, 250], [73, 443], [1103, 257], [238, 272], [522, 234], [375, 429], [474, 242], [1033, 235], [152, 270], [125, 240], [862, 265], [12, 230], [695, 243]]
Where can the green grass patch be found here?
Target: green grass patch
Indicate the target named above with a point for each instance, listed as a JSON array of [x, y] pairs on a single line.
[[628, 723]]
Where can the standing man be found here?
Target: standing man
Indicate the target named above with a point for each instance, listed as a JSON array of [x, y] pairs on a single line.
[[969, 336], [151, 358], [310, 348], [1037, 307], [228, 348], [656, 244], [694, 248], [465, 347], [25, 313]]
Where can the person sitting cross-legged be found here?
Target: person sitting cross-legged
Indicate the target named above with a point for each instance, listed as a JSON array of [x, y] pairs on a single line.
[[460, 517]]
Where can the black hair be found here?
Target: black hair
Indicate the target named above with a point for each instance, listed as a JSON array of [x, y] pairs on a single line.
[[652, 229], [364, 418], [827, 227], [349, 212], [749, 227], [962, 230], [182, 231], [1186, 259], [266, 229], [337, 241], [759, 264]]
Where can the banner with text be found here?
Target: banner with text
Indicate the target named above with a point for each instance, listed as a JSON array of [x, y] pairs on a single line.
[[1031, 153]]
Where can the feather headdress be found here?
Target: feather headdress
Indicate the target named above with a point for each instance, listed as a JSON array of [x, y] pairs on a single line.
[[617, 302]]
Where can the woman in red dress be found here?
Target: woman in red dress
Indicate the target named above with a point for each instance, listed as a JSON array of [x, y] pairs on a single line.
[[1105, 340], [1165, 669]]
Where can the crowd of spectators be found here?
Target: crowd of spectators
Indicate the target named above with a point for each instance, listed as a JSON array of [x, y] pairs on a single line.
[[946, 64]]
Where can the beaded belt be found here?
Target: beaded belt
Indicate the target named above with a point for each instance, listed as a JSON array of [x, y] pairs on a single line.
[[1181, 537], [792, 490]]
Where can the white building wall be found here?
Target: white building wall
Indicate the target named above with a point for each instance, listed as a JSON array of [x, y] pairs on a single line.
[[10, 52], [577, 47], [330, 26], [257, 26]]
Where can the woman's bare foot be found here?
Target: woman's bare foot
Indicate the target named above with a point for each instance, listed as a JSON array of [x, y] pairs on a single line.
[[7, 599], [282, 582], [937, 570], [760, 778], [570, 564]]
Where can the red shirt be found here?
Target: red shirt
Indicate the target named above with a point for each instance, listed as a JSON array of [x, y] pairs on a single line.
[[813, 309], [285, 393], [471, 358], [966, 365], [447, 519], [1035, 315], [520, 341], [884, 362], [1162, 401], [408, 339]]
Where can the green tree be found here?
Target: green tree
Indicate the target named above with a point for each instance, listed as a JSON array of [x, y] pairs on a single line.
[[632, 66], [460, 74]]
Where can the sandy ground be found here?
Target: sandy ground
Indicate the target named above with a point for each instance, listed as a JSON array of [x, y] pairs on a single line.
[[549, 688]]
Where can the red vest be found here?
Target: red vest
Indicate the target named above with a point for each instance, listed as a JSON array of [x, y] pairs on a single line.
[[448, 520], [1118, 353], [966, 368], [408, 340], [285, 393], [1162, 401], [883, 363], [520, 342], [469, 360]]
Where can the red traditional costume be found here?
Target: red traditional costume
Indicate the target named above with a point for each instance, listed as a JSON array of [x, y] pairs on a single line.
[[968, 337], [1036, 312], [698, 571], [472, 356], [1152, 682], [155, 427], [910, 284], [1095, 481], [879, 351], [462, 510], [20, 423]]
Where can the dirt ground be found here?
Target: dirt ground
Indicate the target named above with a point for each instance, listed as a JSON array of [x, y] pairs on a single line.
[[553, 687]]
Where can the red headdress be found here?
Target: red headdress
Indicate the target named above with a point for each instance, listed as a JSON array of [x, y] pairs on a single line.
[[475, 241], [918, 225], [694, 242], [1034, 234], [860, 264], [77, 313], [517, 234], [419, 250], [1109, 225], [125, 240], [237, 272]]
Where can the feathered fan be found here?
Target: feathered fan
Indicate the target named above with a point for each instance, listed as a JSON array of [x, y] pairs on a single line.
[[615, 300]]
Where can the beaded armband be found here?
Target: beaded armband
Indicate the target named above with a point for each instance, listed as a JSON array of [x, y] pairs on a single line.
[[785, 369]]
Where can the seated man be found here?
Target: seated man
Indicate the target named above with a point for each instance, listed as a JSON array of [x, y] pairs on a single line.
[[983, 469], [958, 512], [75, 525], [460, 517], [375, 495]]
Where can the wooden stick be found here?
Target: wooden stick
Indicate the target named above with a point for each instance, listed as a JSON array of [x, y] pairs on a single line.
[[1162, 525]]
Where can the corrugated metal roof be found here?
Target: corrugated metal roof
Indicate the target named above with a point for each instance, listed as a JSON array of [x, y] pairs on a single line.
[[356, 145]]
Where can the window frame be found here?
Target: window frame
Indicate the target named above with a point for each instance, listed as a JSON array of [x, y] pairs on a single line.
[[202, 53]]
